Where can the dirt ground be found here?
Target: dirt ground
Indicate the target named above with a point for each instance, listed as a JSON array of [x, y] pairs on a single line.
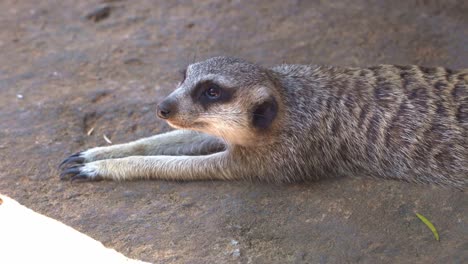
[[69, 66]]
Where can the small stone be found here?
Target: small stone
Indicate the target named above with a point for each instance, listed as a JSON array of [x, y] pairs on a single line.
[[99, 13], [236, 253], [130, 194], [234, 242], [19, 96], [133, 61]]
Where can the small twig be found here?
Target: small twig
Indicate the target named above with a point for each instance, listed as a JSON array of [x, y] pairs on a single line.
[[90, 131], [107, 139]]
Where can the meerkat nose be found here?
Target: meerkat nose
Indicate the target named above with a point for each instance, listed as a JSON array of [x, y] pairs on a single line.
[[166, 108]]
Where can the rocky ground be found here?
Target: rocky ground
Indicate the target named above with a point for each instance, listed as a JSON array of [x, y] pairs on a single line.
[[69, 66]]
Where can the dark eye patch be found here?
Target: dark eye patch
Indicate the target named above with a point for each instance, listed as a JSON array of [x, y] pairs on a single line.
[[201, 93]]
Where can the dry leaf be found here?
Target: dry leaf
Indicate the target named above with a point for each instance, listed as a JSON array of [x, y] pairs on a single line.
[[429, 224]]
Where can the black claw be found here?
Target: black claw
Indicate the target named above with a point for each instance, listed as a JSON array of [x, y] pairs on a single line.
[[79, 177], [75, 158], [75, 170]]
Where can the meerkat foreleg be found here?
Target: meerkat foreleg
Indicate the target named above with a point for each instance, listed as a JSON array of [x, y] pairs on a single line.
[[205, 167], [178, 142]]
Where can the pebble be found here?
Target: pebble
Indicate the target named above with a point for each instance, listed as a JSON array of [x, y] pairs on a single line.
[[99, 13]]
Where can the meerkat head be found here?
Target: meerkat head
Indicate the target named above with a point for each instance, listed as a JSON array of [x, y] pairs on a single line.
[[224, 97]]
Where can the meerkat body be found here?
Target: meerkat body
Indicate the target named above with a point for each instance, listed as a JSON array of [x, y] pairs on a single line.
[[299, 122]]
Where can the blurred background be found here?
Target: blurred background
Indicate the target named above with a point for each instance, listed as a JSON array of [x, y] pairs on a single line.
[[74, 71]]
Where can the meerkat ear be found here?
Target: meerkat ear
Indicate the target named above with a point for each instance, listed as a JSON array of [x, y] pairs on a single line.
[[264, 113]]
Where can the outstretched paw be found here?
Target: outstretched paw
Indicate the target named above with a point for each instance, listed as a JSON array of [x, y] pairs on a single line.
[[80, 172]]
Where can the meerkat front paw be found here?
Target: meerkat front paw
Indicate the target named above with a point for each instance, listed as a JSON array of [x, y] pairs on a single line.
[[87, 171], [85, 156], [80, 166]]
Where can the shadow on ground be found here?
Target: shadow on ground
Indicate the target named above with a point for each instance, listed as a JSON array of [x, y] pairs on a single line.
[[69, 66]]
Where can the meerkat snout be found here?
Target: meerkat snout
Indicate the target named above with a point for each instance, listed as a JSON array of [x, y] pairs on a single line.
[[167, 108]]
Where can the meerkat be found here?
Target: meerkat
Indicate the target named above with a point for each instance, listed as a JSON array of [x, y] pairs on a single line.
[[238, 120]]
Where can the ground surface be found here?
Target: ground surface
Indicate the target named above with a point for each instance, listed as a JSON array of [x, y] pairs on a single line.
[[63, 72]]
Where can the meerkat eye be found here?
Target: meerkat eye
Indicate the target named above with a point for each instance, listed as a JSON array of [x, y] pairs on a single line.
[[213, 92], [209, 92]]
